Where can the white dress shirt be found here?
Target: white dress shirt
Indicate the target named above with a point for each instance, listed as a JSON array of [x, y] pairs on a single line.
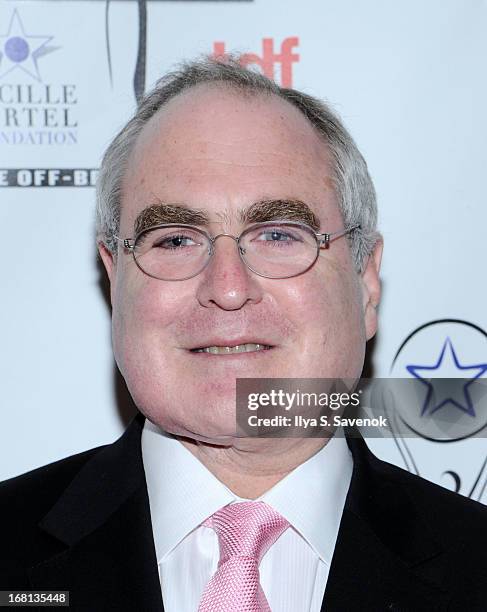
[[183, 493]]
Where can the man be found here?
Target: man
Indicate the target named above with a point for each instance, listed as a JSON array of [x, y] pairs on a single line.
[[237, 226]]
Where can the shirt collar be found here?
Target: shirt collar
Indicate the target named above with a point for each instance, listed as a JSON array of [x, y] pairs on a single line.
[[183, 492], [312, 496]]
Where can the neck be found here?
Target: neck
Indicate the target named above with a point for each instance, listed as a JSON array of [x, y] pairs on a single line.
[[251, 469]]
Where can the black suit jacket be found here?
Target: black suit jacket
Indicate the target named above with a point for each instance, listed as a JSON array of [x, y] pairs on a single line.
[[83, 524]]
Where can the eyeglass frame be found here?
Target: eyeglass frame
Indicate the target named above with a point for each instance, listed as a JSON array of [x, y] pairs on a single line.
[[323, 240]]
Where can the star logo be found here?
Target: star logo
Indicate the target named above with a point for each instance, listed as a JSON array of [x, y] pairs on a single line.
[[446, 388], [21, 51]]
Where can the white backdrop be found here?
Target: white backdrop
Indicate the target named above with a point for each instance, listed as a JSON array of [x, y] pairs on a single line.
[[408, 79]]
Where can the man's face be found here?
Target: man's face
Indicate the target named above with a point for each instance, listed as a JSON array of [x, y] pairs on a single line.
[[214, 150]]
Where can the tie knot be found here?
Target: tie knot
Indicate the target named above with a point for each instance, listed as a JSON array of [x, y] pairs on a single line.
[[246, 529]]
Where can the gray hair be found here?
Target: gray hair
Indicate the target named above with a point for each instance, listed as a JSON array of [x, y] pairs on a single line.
[[354, 188]]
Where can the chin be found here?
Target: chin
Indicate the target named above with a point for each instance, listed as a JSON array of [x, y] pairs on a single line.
[[216, 435]]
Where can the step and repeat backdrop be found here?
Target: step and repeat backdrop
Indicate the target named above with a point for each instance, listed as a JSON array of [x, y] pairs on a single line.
[[408, 78]]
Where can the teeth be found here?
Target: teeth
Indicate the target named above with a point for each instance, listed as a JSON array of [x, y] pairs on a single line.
[[229, 350]]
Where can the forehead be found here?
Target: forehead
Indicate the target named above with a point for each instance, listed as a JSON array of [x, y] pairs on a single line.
[[222, 150]]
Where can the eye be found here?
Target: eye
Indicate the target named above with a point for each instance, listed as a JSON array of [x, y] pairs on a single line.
[[175, 241], [276, 234]]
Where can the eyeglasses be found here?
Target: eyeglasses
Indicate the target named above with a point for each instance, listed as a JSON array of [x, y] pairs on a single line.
[[274, 249]]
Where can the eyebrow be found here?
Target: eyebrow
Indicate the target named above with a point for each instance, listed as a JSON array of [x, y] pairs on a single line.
[[282, 209], [160, 213], [258, 212]]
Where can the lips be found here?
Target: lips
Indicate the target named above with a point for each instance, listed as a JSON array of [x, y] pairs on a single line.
[[232, 345], [248, 347]]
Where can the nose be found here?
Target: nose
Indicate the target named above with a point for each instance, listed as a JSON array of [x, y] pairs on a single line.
[[226, 282]]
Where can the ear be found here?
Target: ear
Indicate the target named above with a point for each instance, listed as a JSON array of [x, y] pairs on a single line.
[[371, 289], [108, 261]]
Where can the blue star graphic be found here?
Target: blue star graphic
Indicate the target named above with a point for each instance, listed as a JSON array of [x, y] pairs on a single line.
[[20, 51], [446, 388]]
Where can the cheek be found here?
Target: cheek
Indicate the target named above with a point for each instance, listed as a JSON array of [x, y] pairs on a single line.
[[144, 316], [326, 308], [144, 309]]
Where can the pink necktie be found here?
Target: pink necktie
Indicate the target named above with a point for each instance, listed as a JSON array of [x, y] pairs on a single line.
[[246, 531]]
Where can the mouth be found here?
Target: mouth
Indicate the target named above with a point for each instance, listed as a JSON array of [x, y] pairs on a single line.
[[249, 347]]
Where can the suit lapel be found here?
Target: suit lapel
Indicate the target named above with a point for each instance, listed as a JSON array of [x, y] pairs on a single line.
[[383, 548], [103, 518], [365, 575]]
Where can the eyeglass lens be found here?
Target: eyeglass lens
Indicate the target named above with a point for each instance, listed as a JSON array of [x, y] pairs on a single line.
[[274, 250]]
